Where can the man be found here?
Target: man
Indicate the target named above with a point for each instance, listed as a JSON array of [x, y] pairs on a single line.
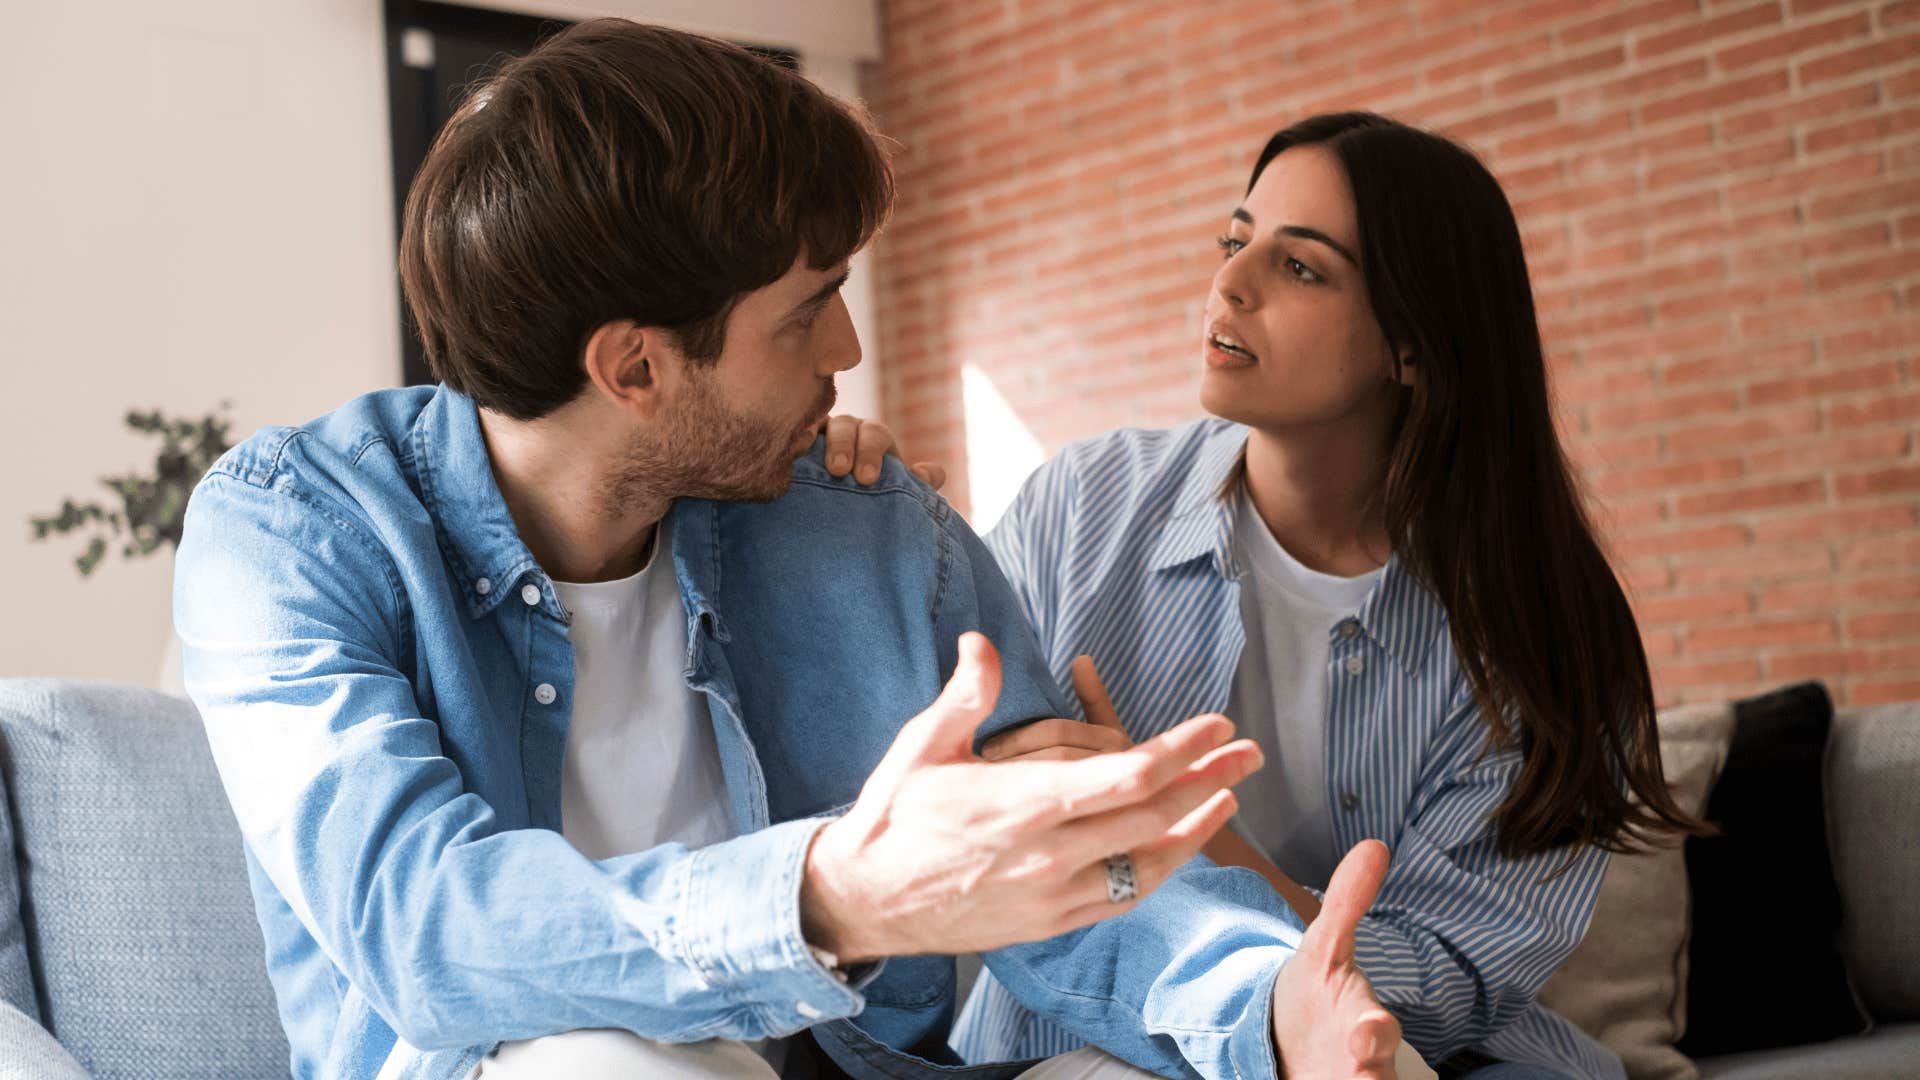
[[560, 751]]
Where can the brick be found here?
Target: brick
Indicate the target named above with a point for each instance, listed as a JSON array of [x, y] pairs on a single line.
[[1756, 566], [1762, 326], [1865, 129], [1805, 387], [1662, 478], [1723, 164], [1670, 542], [1875, 270], [1738, 365], [1705, 30], [1795, 182], [1736, 91], [1561, 136], [1798, 40], [1869, 692], [1832, 663], [1707, 672], [1878, 627], [1899, 14], [1693, 607], [1759, 634], [1745, 431], [1900, 551], [1821, 453], [1879, 481], [1836, 522], [1802, 108], [1625, 20], [1769, 496], [1904, 49], [1561, 70], [1879, 409]]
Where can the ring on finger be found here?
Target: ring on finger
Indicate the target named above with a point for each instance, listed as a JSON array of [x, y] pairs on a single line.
[[1122, 886]]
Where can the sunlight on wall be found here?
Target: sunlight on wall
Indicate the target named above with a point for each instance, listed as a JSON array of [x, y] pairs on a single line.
[[1001, 452]]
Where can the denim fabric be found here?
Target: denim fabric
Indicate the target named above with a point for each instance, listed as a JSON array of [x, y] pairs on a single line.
[[385, 678]]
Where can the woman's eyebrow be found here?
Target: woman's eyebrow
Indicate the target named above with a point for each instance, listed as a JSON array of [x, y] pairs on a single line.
[[1303, 232]]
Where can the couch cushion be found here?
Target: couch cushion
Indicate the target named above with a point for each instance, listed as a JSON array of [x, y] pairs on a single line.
[[16, 969], [135, 899], [1772, 859], [1885, 1054], [1626, 983], [1873, 811]]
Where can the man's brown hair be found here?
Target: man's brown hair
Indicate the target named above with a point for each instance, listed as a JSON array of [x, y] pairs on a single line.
[[622, 171]]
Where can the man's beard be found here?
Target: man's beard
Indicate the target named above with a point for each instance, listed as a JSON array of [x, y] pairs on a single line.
[[710, 451]]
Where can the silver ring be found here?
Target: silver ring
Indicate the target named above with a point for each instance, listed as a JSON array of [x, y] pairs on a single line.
[[1121, 886]]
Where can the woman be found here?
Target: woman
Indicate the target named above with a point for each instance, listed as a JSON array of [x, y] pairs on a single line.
[[1375, 559]]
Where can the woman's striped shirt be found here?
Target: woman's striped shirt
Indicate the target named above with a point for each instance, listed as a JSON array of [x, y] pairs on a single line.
[[1122, 548]]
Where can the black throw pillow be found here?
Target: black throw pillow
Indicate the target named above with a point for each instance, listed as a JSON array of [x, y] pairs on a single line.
[[1765, 959]]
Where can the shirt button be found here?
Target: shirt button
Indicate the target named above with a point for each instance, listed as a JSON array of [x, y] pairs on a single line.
[[1349, 628], [545, 693], [1355, 665], [808, 1011], [483, 586], [530, 593], [1349, 801]]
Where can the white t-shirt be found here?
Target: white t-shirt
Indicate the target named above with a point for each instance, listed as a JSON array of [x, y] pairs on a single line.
[[642, 767], [1279, 696]]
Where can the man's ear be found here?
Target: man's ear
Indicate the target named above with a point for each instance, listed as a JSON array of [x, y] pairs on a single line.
[[622, 361]]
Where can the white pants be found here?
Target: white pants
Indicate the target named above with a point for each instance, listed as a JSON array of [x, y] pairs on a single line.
[[609, 1054]]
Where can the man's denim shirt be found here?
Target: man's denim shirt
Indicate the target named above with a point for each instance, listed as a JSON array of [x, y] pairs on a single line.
[[385, 677]]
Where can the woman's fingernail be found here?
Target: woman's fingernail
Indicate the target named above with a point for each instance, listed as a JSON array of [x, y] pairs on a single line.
[[839, 463]]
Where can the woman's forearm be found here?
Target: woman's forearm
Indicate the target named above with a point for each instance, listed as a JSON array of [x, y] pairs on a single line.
[[1228, 849]]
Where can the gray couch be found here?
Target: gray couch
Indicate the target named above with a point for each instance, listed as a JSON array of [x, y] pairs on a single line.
[[127, 929]]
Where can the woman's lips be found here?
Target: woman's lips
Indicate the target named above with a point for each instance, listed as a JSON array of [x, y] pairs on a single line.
[[1217, 357]]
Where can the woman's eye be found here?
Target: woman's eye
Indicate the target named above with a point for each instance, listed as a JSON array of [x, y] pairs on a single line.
[[1302, 271], [1229, 246]]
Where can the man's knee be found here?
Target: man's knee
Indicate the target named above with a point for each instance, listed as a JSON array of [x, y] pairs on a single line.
[[603, 1054], [1086, 1063]]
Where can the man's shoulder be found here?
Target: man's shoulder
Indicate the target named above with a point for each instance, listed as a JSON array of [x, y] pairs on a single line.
[[328, 444], [815, 490]]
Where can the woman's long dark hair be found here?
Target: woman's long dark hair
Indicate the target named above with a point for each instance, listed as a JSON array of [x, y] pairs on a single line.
[[1481, 505]]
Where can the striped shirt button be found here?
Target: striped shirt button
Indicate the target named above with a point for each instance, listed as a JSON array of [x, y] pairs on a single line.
[[1348, 629], [1355, 665], [1349, 801]]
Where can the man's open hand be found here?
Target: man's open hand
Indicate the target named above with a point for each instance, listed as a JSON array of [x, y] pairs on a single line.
[[946, 853]]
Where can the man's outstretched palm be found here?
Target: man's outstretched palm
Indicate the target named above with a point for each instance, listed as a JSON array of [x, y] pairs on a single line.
[[1327, 1024]]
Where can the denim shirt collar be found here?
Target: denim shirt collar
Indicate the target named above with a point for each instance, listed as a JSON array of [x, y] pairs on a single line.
[[470, 517], [481, 543], [1399, 615]]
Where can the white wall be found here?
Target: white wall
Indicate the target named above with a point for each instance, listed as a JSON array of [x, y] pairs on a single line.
[[195, 205]]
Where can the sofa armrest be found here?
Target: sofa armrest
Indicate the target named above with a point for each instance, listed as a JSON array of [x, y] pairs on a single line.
[[29, 1052]]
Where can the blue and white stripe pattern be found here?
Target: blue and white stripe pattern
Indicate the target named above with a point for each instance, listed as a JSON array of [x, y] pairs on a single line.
[[1123, 548]]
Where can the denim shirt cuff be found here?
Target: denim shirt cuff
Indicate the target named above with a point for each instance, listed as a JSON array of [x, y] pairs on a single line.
[[740, 928], [1250, 1046]]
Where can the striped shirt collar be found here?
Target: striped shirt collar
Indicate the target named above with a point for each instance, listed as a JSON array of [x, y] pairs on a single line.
[[1400, 615]]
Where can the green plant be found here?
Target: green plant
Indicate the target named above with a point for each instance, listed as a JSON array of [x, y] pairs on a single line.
[[152, 508]]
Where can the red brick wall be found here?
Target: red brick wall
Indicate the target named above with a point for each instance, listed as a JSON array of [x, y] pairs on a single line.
[[1721, 202]]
